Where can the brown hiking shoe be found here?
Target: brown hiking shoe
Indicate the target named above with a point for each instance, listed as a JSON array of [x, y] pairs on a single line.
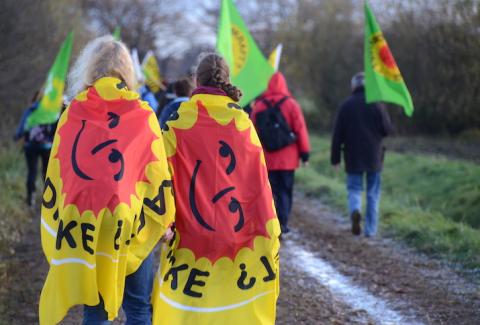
[[356, 217]]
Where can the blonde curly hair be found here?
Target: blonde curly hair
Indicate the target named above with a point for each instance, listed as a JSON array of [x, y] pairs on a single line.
[[101, 57]]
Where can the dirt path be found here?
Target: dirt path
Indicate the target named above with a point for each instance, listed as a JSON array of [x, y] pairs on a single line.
[[366, 279], [420, 289]]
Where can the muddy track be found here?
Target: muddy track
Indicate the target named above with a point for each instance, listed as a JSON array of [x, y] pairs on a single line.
[[419, 289]]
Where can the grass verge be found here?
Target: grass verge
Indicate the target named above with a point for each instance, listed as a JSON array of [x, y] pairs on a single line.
[[13, 210], [15, 216], [429, 202]]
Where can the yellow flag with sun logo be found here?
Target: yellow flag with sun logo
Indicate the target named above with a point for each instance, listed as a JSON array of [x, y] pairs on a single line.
[[151, 71], [52, 100], [249, 69], [222, 267], [108, 199], [275, 56]]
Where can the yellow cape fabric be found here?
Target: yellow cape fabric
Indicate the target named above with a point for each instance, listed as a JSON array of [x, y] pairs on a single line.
[[77, 276], [202, 291]]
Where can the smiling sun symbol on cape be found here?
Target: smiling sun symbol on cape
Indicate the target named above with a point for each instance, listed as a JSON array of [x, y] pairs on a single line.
[[222, 192], [99, 164]]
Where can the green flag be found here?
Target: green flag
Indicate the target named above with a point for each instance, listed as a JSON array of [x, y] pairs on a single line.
[[116, 33], [250, 70], [52, 100], [383, 80]]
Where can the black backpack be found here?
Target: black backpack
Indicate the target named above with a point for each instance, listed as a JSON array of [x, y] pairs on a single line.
[[273, 130]]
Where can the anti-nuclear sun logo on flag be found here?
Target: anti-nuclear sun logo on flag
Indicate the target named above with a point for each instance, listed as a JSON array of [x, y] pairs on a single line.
[[53, 98], [383, 61], [240, 49]]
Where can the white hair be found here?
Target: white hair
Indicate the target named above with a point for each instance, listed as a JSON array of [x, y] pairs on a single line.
[[101, 57], [358, 81]]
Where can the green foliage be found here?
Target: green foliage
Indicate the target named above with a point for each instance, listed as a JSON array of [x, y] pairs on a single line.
[[443, 73], [449, 187], [435, 43], [13, 210], [430, 202], [32, 32], [14, 217], [323, 49]]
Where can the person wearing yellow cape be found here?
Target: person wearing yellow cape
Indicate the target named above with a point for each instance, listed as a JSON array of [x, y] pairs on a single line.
[[108, 195], [222, 266]]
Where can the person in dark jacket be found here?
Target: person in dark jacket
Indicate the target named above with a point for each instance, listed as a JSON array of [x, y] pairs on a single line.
[[359, 131], [164, 97], [37, 145], [281, 164], [183, 89]]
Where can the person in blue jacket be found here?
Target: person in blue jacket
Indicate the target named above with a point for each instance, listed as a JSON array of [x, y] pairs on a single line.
[[183, 89], [147, 95], [37, 145]]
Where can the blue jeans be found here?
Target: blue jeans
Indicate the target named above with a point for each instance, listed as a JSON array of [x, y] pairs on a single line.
[[136, 299], [355, 189]]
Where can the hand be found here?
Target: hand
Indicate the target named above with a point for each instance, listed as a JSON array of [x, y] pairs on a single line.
[[168, 235], [304, 157]]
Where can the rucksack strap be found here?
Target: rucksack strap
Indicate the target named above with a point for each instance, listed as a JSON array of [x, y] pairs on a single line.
[[276, 105], [280, 102]]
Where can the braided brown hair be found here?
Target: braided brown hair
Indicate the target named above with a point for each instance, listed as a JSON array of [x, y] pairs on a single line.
[[213, 71]]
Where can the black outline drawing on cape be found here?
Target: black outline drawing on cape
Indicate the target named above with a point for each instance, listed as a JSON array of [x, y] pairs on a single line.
[[113, 157], [234, 205], [77, 169], [225, 151]]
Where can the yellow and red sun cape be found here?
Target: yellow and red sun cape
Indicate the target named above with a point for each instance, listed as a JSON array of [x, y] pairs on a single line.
[[107, 199], [222, 267]]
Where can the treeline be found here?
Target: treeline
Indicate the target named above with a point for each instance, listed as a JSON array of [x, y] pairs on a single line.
[[30, 35], [31, 32], [436, 45]]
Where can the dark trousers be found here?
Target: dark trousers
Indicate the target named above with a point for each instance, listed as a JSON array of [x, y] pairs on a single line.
[[32, 154], [282, 189]]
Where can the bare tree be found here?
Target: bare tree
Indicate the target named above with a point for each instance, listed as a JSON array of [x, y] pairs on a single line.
[[142, 22], [30, 36]]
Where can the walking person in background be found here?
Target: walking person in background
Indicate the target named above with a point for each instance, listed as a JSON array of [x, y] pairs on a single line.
[[147, 95], [107, 198], [359, 131], [164, 96], [37, 145], [281, 127], [183, 89]]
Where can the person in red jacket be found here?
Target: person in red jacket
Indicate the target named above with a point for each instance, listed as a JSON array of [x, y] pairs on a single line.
[[283, 162]]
